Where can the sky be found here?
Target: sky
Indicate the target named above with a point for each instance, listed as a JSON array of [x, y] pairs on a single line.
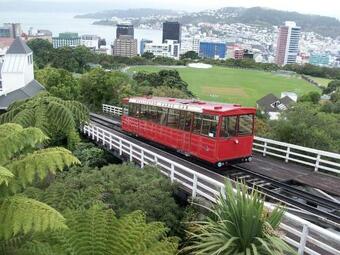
[[321, 7]]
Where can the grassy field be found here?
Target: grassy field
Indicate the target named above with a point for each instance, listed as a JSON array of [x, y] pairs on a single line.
[[235, 85], [322, 81]]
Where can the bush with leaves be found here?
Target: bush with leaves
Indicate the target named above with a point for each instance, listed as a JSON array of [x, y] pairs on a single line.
[[124, 188], [22, 161], [59, 119], [239, 224], [90, 155]]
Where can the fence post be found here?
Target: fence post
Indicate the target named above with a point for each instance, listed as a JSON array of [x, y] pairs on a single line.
[[142, 159], [265, 149], [110, 142], [317, 163], [130, 152], [287, 154], [172, 173], [120, 147], [194, 186], [303, 240]]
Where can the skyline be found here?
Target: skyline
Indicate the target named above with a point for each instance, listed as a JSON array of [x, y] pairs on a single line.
[[301, 6]]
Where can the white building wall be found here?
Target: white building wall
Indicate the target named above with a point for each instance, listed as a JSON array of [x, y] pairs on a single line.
[[17, 71]]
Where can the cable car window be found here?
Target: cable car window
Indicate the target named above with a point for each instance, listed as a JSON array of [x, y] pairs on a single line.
[[209, 125], [153, 114], [197, 123], [228, 127], [162, 112], [173, 118], [246, 124], [133, 110], [185, 120], [144, 112]]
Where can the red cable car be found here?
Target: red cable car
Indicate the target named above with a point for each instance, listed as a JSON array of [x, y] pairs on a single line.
[[214, 132]]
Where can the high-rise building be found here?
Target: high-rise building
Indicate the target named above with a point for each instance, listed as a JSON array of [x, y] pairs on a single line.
[[66, 40], [215, 50], [124, 29], [125, 46], [287, 43], [143, 42], [171, 31], [10, 30]]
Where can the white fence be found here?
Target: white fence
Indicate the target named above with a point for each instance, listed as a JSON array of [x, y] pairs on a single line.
[[317, 159], [306, 237]]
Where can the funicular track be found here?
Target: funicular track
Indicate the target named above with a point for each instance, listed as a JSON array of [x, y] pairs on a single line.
[[313, 207]]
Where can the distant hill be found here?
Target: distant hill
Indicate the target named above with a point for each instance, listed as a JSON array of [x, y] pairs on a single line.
[[129, 13], [326, 26]]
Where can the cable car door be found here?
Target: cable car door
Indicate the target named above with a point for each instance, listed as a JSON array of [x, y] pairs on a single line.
[[185, 124]]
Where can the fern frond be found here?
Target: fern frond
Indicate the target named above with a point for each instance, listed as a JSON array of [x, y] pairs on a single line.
[[61, 116], [5, 175], [41, 120], [19, 214], [24, 117], [14, 139], [40, 163]]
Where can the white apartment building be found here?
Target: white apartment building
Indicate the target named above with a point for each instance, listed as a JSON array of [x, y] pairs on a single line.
[[170, 49], [90, 41]]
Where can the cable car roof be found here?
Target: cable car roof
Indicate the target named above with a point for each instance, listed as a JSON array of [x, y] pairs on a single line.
[[192, 105]]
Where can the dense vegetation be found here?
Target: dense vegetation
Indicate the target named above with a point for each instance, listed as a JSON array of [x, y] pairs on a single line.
[[80, 59]]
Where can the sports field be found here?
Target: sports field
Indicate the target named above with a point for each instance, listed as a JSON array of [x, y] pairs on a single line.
[[322, 81], [235, 85]]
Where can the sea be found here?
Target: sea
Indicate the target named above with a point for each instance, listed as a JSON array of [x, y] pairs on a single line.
[[58, 22]]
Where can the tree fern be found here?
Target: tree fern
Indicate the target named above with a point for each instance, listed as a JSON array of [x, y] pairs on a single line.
[[98, 231], [19, 166], [21, 214], [40, 163], [5, 175], [52, 115], [14, 139]]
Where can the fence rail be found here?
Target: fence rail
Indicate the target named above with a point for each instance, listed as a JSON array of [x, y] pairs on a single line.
[[298, 231], [316, 159]]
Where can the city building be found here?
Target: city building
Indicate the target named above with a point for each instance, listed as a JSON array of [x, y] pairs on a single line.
[[40, 34], [66, 40], [10, 30], [287, 43], [170, 49], [235, 52], [17, 75], [190, 44], [125, 46], [90, 41], [215, 50], [143, 42], [273, 106], [171, 31], [124, 29], [319, 59]]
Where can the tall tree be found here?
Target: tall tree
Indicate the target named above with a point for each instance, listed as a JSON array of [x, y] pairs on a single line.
[[98, 87], [22, 161], [59, 83], [42, 51]]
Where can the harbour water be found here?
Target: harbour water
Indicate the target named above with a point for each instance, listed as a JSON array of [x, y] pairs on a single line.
[[65, 22]]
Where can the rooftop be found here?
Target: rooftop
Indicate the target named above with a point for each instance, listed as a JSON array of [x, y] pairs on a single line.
[[192, 105], [18, 47]]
